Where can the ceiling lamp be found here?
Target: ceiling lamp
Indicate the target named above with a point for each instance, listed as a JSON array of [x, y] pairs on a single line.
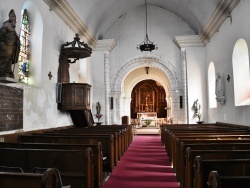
[[147, 45]]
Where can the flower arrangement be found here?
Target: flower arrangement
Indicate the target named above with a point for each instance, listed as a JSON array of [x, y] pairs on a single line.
[[198, 114], [98, 116]]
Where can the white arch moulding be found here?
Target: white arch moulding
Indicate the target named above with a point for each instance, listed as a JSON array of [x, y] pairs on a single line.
[[171, 86]]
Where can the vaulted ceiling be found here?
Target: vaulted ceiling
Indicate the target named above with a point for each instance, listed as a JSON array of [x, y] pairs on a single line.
[[94, 17]]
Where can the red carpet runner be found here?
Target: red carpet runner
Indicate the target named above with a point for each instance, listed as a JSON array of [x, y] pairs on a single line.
[[145, 164]]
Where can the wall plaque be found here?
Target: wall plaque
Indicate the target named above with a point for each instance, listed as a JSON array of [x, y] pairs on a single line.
[[11, 108]]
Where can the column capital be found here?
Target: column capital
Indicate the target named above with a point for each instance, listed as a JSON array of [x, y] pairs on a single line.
[[188, 41], [105, 45]]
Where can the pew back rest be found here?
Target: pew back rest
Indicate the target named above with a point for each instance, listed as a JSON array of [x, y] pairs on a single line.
[[50, 178], [67, 161]]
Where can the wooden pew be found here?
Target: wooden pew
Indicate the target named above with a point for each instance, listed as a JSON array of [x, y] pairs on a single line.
[[217, 181], [176, 134], [208, 155], [51, 178], [212, 145], [194, 129], [197, 136], [169, 129], [75, 166], [96, 148], [225, 167], [200, 138], [127, 128], [126, 131], [116, 135], [106, 140], [172, 134]]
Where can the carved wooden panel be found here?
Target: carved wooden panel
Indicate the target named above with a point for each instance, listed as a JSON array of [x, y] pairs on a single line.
[[11, 108], [148, 96], [75, 96]]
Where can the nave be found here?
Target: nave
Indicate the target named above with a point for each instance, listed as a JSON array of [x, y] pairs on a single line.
[[186, 156]]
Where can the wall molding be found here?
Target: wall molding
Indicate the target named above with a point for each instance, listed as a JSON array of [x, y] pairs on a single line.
[[188, 41], [63, 9], [105, 45], [220, 14]]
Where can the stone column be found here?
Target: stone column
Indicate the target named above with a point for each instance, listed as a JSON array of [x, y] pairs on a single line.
[[184, 42], [116, 113], [184, 85], [106, 47], [107, 83]]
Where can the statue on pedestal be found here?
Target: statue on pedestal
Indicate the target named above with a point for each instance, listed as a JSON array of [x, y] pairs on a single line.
[[9, 46], [219, 90]]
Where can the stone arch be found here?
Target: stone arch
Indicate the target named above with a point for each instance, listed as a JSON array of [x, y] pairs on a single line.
[[143, 61], [121, 99]]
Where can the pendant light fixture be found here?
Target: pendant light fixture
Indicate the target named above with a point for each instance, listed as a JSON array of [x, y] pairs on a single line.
[[147, 45]]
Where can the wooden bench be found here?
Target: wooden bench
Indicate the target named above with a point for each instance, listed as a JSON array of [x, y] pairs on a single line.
[[176, 134], [178, 129], [96, 148], [106, 140], [171, 135], [213, 145], [75, 166], [210, 138], [225, 167], [51, 178], [128, 129], [169, 129], [208, 155], [116, 136], [124, 134], [217, 181]]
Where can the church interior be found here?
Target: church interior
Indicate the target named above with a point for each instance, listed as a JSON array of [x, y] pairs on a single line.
[[108, 69]]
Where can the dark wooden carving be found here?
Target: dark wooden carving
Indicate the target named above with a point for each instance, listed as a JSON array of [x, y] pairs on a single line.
[[75, 96], [11, 108], [70, 55], [9, 46], [147, 96]]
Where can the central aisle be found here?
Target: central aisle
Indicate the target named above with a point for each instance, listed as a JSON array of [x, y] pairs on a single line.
[[145, 164]]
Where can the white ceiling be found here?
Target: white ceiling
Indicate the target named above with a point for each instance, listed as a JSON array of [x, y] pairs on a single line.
[[99, 15]]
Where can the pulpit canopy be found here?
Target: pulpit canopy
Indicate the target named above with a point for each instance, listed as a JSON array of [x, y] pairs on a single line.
[[80, 52]]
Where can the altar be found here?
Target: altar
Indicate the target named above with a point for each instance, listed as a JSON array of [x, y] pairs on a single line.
[[147, 117]]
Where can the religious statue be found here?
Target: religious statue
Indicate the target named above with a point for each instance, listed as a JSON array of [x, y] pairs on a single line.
[[197, 108], [98, 114], [9, 46], [219, 89], [98, 108]]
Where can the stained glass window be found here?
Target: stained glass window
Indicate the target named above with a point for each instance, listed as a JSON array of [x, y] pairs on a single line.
[[24, 57]]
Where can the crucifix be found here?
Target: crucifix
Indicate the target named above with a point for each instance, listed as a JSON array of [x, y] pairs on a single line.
[[50, 75]]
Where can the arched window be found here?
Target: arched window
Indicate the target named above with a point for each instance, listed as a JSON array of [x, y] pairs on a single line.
[[211, 86], [24, 57], [241, 73]]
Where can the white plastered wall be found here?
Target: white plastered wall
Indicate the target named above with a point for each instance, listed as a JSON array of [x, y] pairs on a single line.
[[129, 31], [39, 105], [220, 51]]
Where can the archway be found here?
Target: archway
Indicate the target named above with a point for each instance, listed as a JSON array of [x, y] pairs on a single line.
[[169, 79]]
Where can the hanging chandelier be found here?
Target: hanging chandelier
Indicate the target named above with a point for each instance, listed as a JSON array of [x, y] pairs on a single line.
[[147, 45]]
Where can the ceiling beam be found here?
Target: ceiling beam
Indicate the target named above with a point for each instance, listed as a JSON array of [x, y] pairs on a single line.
[[220, 14], [63, 9]]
